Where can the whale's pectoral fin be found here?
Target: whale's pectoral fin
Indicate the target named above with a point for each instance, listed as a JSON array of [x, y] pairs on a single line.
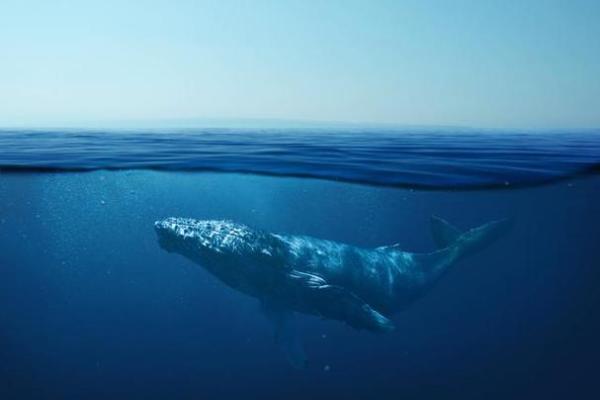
[[344, 305], [337, 302], [286, 333]]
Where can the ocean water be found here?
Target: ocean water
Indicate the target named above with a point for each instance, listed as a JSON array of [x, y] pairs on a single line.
[[92, 307]]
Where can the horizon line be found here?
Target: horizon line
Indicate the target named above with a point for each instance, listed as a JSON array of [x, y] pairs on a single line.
[[184, 123]]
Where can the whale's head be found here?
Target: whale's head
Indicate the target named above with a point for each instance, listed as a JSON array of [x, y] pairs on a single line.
[[212, 242]]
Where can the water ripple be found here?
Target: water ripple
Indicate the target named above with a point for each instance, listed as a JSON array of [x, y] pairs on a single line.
[[399, 158]]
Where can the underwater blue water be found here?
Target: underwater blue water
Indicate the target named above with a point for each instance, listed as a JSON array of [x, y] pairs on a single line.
[[91, 306]]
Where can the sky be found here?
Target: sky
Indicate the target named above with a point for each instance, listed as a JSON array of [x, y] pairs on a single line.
[[494, 64]]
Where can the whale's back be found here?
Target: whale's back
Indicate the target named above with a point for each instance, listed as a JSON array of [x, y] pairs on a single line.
[[387, 277]]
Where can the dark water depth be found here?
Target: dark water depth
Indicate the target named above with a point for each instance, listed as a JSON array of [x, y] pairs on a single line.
[[91, 306]]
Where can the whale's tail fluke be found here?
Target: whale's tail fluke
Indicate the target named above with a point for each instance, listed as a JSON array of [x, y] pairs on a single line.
[[453, 245], [446, 235]]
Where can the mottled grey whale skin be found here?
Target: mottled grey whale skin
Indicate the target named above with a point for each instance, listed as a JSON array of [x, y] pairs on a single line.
[[359, 286]]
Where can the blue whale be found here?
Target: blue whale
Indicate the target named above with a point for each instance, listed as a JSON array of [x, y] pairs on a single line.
[[362, 287]]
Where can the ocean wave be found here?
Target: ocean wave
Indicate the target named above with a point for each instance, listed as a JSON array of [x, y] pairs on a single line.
[[397, 158]]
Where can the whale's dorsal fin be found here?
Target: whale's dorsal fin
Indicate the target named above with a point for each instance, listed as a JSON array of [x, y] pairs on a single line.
[[286, 333]]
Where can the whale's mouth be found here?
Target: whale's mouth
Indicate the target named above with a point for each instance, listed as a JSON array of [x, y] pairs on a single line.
[[164, 239], [166, 245]]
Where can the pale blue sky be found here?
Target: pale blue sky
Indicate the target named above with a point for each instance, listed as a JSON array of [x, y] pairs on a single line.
[[532, 64]]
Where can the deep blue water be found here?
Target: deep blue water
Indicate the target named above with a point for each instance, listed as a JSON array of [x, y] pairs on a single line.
[[91, 306]]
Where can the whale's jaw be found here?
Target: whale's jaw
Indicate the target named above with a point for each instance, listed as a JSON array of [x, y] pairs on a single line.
[[168, 237], [164, 239]]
